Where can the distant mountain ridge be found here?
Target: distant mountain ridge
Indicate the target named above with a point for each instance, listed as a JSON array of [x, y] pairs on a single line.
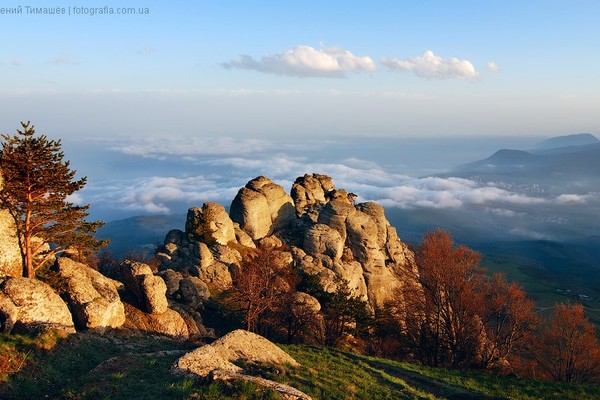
[[566, 162], [579, 139]]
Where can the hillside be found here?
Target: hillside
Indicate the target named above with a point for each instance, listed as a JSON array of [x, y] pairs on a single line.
[[92, 366]]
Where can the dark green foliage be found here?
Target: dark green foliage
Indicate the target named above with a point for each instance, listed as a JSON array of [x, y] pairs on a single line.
[[37, 184], [198, 225], [343, 313]]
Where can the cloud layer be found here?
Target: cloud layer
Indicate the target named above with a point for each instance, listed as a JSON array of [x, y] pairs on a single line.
[[218, 169], [431, 66], [306, 61]]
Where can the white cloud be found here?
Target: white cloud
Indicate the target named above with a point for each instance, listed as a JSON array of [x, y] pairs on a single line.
[[572, 198], [305, 62], [431, 66], [16, 62], [492, 67], [226, 165], [159, 148]]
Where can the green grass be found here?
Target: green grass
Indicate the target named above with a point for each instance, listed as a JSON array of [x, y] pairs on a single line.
[[115, 366]]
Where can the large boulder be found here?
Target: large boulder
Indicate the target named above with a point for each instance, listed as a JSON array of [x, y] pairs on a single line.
[[8, 314], [92, 297], [261, 207], [35, 306], [149, 290], [236, 346], [11, 263], [193, 292], [172, 279], [216, 275], [169, 323], [210, 223]]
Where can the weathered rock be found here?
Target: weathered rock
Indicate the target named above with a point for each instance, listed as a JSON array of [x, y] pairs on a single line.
[[155, 293], [272, 242], [38, 307], [329, 236], [250, 209], [204, 254], [399, 253], [311, 266], [353, 273], [193, 291], [193, 321], [9, 313], [216, 275], [149, 290], [92, 297], [334, 215], [302, 302], [168, 323], [362, 239], [172, 279], [281, 206], [236, 346], [175, 236], [227, 255], [243, 238], [309, 191], [320, 239], [11, 263], [377, 214], [210, 221], [261, 207]]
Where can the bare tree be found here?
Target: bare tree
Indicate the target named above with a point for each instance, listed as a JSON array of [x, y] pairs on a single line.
[[260, 285]]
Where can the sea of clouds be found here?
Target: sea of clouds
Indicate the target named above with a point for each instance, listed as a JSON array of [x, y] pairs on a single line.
[[157, 176]]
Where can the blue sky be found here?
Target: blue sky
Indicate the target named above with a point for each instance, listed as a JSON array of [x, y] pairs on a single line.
[[259, 69], [188, 101]]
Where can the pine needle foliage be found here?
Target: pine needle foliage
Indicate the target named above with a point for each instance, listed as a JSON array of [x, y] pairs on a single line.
[[36, 187]]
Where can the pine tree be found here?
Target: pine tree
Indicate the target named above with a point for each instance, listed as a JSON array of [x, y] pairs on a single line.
[[37, 183]]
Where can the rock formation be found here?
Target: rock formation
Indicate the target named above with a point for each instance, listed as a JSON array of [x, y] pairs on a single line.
[[329, 236], [262, 207], [236, 346], [217, 361], [149, 290], [29, 305], [168, 323], [92, 297], [11, 263]]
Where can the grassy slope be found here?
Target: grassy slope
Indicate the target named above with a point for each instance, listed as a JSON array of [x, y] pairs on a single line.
[[77, 368]]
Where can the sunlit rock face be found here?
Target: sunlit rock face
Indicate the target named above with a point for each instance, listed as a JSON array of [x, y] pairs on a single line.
[[261, 208], [320, 230], [10, 254]]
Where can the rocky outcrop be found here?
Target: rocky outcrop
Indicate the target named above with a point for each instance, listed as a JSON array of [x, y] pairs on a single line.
[[193, 292], [262, 207], [186, 252], [309, 191], [92, 297], [217, 361], [236, 346], [328, 235], [10, 254], [30, 305], [149, 290], [169, 323], [210, 223]]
